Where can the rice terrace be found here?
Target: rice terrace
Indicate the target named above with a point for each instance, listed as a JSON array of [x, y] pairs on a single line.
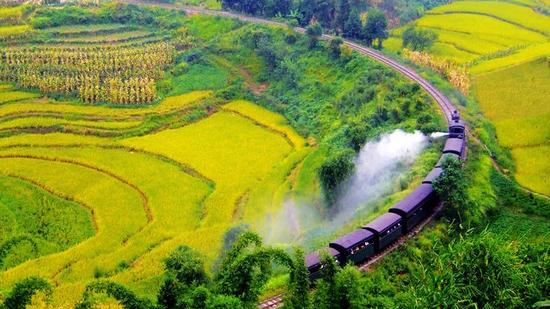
[[274, 153]]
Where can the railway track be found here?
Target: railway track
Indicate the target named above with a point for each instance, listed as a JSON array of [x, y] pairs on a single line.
[[442, 101]]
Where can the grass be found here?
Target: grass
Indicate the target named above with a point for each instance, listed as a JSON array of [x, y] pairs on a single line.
[[91, 38], [266, 118], [201, 76], [515, 99], [533, 167], [79, 29], [11, 96], [528, 54], [523, 17], [34, 122], [6, 31], [165, 106], [53, 223]]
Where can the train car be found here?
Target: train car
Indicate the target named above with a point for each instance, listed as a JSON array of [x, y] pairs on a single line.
[[315, 265], [444, 157], [356, 246], [416, 206], [454, 145], [386, 228], [433, 175], [457, 129]]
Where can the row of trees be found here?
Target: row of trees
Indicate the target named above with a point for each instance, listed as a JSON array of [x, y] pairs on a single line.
[[115, 75], [237, 282], [352, 18]]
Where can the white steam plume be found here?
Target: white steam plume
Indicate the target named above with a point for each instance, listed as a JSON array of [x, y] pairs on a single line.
[[377, 166]]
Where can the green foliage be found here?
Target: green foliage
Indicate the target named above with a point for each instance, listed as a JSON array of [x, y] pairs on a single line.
[[21, 295], [314, 32], [123, 295], [451, 187], [375, 28], [299, 283], [418, 39], [348, 294], [335, 47], [334, 171], [108, 13]]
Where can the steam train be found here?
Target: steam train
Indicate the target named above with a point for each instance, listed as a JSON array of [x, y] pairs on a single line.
[[364, 243]]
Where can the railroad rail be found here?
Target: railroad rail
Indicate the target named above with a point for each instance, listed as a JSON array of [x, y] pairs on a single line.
[[442, 101]]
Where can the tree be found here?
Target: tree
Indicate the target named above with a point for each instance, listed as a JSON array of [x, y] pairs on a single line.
[[123, 295], [375, 27], [352, 26], [451, 187], [299, 282], [342, 13], [314, 31], [184, 270], [418, 39], [22, 293], [348, 293], [335, 170], [335, 46]]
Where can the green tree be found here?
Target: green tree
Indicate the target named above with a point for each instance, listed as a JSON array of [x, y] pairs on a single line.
[[348, 294], [314, 31], [299, 282], [335, 47], [418, 39], [451, 187], [353, 27], [335, 170], [376, 28], [184, 270], [123, 295], [21, 295]]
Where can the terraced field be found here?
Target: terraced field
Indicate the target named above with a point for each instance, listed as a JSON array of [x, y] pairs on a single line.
[[505, 46], [129, 184], [207, 166]]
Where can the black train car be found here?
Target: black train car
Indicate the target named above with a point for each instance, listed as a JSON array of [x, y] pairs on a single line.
[[416, 206], [433, 175], [387, 228], [315, 266], [454, 145], [356, 246], [457, 129]]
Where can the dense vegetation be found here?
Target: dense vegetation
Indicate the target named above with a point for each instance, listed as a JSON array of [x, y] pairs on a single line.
[[228, 161], [225, 160]]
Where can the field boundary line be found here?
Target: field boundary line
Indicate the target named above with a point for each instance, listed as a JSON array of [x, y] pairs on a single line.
[[182, 166], [141, 194], [491, 16], [59, 195], [262, 125]]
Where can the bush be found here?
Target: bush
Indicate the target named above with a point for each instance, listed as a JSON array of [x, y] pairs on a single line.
[[22, 293], [334, 171]]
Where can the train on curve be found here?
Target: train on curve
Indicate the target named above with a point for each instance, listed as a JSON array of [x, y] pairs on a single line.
[[364, 243]]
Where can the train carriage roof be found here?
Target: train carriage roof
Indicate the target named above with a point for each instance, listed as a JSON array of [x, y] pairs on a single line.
[[436, 172], [352, 239], [383, 222], [315, 258], [454, 145], [409, 204]]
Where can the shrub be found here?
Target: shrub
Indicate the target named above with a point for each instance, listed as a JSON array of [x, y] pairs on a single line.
[[334, 171]]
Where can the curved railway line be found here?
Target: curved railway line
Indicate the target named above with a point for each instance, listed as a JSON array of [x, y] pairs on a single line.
[[443, 102]]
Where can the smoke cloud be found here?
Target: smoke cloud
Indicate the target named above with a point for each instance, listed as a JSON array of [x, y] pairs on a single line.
[[377, 167]]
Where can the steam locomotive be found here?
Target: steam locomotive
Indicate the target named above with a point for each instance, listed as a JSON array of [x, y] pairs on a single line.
[[362, 244]]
